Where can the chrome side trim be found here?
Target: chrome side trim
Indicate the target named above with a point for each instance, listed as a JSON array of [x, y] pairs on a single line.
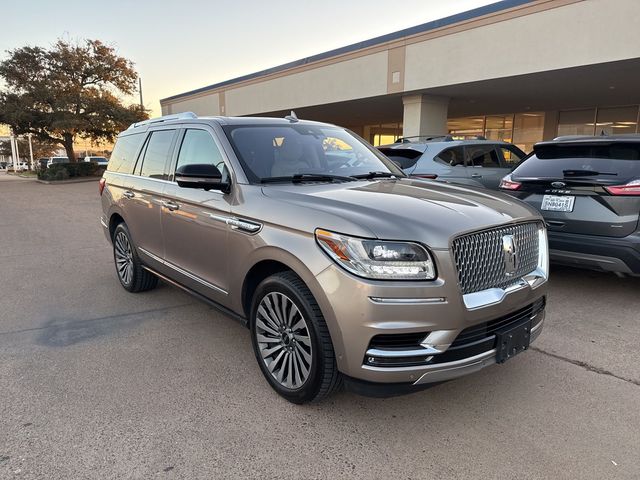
[[138, 177], [182, 271], [241, 224], [103, 221], [408, 301]]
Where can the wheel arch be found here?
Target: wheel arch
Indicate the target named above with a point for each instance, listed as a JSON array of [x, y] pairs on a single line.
[[115, 219], [268, 260]]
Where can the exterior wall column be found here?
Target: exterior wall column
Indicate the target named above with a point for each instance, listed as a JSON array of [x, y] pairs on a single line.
[[424, 115]]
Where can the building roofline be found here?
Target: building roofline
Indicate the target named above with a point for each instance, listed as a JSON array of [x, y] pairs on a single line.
[[389, 37]]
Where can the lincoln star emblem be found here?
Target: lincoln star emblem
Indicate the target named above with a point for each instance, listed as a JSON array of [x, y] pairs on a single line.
[[510, 254], [558, 184]]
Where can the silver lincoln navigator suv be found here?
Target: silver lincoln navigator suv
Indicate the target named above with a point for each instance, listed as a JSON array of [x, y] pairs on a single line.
[[344, 270]]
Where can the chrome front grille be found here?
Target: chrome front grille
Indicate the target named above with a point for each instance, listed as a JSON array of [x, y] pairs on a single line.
[[480, 258]]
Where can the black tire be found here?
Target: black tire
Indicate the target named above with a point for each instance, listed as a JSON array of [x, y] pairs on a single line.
[[139, 279], [323, 377]]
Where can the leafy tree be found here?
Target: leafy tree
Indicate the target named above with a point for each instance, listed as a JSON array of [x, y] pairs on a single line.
[[69, 91]]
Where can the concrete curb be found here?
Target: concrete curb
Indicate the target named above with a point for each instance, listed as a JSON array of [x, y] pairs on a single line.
[[75, 180]]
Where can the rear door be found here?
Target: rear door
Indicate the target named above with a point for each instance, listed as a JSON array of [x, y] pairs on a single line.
[[143, 197], [484, 165], [449, 164], [574, 186]]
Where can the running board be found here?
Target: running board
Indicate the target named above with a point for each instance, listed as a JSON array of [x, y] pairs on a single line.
[[243, 321]]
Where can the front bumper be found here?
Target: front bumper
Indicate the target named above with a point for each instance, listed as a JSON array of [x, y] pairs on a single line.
[[358, 310], [459, 368]]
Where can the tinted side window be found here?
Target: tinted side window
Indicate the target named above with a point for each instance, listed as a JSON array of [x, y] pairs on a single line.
[[483, 156], [123, 157], [451, 157], [406, 158], [511, 156], [199, 147], [156, 154]]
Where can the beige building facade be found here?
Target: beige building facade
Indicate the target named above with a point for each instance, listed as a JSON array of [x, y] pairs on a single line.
[[517, 70]]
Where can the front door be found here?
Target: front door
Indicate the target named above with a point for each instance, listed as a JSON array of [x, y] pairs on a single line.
[[194, 221]]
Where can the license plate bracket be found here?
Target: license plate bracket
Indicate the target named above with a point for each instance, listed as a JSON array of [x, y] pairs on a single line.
[[512, 340]]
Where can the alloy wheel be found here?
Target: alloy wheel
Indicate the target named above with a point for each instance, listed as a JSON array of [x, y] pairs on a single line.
[[124, 258], [283, 340]]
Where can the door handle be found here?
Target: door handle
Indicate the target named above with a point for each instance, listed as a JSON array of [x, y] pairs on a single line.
[[170, 206], [129, 194], [476, 175]]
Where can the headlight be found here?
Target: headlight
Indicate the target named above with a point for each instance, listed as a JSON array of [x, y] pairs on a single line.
[[377, 259]]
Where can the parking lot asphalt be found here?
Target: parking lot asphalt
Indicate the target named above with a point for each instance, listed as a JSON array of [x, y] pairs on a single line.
[[96, 382]]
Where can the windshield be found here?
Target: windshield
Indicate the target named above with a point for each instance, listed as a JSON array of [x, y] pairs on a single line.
[[285, 151]]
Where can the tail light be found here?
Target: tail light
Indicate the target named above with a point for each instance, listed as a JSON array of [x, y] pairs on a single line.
[[101, 184], [430, 176], [630, 188], [507, 183]]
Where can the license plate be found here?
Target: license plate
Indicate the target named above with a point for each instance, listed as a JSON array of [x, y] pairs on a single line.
[[512, 340], [557, 203]]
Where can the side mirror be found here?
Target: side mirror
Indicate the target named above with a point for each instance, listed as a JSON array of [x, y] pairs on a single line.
[[205, 176]]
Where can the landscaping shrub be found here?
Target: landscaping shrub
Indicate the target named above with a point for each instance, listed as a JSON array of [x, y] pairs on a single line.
[[63, 171]]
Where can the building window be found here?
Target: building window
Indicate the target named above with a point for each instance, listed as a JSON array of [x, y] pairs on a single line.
[[522, 129], [617, 120], [576, 122], [384, 134], [596, 121], [499, 127], [466, 127], [528, 129]]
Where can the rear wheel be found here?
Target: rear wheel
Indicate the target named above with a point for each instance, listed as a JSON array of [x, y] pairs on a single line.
[[291, 340], [133, 277]]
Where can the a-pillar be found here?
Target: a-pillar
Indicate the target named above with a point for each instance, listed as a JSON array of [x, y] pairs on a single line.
[[424, 115]]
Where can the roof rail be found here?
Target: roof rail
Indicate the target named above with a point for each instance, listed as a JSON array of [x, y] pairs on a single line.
[[165, 118], [572, 137], [423, 138]]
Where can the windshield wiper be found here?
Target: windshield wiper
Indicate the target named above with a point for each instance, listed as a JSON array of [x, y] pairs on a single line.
[[308, 177], [584, 173], [370, 175]]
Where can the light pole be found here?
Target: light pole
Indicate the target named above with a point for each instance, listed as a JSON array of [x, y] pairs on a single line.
[[140, 90], [14, 153], [31, 152]]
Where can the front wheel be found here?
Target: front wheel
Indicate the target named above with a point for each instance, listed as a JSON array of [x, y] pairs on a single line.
[[291, 340]]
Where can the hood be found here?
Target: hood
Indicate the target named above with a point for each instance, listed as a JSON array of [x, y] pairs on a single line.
[[403, 209]]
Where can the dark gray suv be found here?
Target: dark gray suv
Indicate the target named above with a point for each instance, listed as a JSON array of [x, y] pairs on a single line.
[[588, 191]]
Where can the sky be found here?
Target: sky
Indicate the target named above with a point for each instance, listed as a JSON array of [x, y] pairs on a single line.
[[182, 45]]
